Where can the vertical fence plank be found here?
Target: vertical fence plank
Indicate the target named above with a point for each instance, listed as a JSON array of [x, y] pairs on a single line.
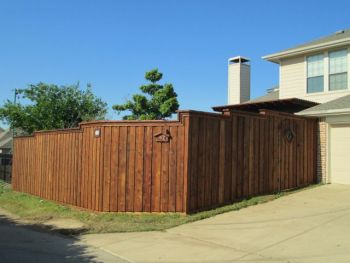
[[234, 159], [181, 165], [107, 141], [228, 162], [202, 150], [122, 171], [193, 182], [139, 169], [172, 186], [148, 167], [221, 160], [156, 171], [164, 177], [130, 182], [113, 189]]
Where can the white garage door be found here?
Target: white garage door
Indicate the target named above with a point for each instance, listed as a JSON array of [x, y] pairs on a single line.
[[340, 154]]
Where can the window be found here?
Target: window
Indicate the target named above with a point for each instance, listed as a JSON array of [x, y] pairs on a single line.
[[315, 73], [338, 70]]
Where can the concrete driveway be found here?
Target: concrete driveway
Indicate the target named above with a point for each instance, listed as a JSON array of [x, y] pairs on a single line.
[[308, 226]]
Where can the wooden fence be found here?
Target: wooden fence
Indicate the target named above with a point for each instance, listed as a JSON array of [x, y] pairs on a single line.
[[246, 154], [201, 161]]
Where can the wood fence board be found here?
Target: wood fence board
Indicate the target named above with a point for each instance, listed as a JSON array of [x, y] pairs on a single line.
[[234, 159], [228, 162], [113, 189], [181, 162], [193, 149], [122, 169], [215, 165], [130, 180], [164, 175], [172, 184], [221, 190], [147, 176], [201, 180], [156, 171], [139, 170]]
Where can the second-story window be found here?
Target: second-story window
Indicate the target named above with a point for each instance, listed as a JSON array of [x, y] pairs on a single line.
[[338, 70], [315, 82]]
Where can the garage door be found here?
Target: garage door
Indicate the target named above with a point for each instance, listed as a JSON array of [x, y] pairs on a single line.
[[340, 154]]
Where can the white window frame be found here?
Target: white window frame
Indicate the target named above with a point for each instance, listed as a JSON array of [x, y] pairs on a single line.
[[326, 73], [328, 68], [325, 78]]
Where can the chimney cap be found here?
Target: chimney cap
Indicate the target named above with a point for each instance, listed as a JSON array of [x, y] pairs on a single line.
[[238, 59]]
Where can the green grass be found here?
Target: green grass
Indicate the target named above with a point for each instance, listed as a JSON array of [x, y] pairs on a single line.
[[36, 210]]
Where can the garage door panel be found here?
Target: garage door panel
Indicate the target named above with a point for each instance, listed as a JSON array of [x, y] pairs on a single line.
[[340, 154]]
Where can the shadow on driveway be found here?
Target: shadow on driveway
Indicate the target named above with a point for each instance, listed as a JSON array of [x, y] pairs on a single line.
[[30, 243]]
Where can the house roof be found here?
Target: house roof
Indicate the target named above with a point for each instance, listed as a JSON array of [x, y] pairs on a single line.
[[272, 95], [337, 106], [292, 105], [6, 143], [337, 39], [6, 139]]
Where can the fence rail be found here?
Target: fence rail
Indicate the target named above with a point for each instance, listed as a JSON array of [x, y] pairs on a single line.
[[201, 161]]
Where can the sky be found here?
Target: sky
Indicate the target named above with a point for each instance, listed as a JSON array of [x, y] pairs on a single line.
[[111, 44]]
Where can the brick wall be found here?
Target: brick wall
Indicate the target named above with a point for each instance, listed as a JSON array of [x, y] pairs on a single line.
[[322, 174]]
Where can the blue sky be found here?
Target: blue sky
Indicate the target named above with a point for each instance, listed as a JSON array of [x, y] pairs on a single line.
[[111, 44]]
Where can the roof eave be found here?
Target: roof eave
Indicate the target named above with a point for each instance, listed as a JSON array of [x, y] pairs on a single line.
[[276, 57], [322, 113], [295, 101]]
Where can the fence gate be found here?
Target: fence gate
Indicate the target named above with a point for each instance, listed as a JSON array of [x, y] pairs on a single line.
[[5, 167]]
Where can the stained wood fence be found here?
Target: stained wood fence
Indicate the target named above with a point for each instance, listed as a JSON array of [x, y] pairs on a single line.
[[201, 161], [247, 154]]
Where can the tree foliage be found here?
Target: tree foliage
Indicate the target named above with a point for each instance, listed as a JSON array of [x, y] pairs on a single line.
[[52, 107], [159, 101]]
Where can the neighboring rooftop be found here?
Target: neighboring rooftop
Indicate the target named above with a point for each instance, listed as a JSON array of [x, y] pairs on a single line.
[[339, 38], [340, 105], [292, 105], [6, 139], [7, 143], [272, 94]]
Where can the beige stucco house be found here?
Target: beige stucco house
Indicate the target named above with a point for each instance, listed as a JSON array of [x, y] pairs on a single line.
[[318, 71]]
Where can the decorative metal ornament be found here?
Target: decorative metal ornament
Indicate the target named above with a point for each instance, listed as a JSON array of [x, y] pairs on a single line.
[[163, 137], [289, 135]]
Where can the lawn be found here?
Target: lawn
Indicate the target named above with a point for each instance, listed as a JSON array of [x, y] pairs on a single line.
[[37, 211]]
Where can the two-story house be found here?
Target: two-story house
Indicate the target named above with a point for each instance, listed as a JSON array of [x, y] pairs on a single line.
[[316, 71]]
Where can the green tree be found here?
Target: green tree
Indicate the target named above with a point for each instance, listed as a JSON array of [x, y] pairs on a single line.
[[159, 101], [52, 107]]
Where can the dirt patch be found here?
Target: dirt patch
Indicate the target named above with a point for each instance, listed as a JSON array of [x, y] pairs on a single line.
[[64, 223], [66, 226]]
